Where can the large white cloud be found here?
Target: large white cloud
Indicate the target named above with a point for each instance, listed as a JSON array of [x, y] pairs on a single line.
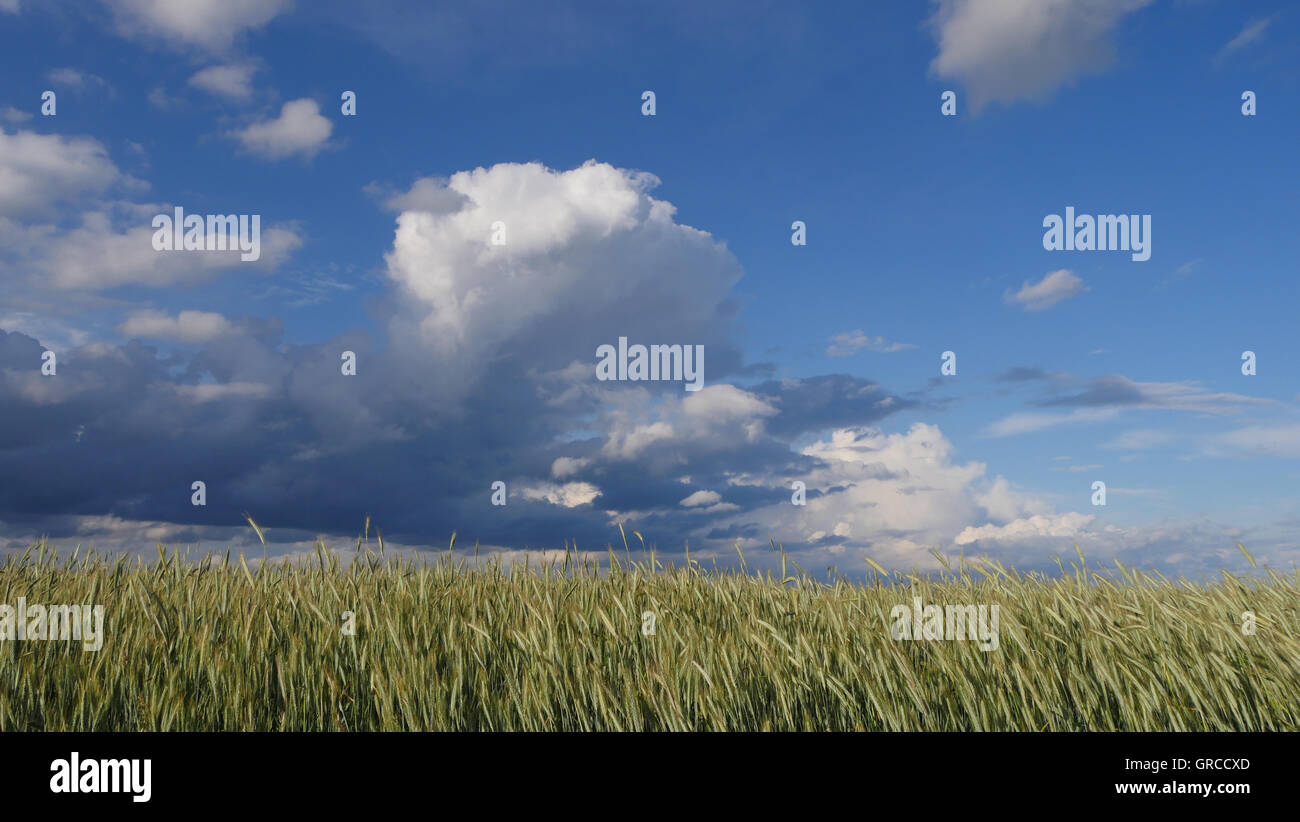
[[588, 256]]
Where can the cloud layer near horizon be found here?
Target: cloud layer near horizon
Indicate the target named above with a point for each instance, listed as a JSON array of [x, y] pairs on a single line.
[[484, 371]]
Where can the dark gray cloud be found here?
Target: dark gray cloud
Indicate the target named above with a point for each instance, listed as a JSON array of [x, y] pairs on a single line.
[[122, 431], [1022, 373], [1107, 390], [829, 401]]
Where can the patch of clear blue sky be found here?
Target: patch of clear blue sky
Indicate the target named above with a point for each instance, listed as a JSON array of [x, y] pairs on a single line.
[[917, 224]]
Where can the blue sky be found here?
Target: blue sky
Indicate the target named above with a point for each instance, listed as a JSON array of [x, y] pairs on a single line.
[[924, 235]]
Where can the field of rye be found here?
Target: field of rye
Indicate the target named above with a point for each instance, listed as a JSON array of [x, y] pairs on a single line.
[[222, 644]]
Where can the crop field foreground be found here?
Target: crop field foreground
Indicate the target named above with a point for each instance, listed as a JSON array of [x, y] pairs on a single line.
[[221, 644]]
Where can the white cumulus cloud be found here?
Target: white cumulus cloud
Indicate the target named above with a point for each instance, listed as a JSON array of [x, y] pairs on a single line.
[[1009, 50], [39, 170], [1069, 524], [233, 81], [588, 256], [567, 495], [300, 130]]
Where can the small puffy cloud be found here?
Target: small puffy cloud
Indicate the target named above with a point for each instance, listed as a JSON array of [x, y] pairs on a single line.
[[724, 403], [78, 80], [212, 25], [850, 342], [233, 81], [10, 6], [188, 327], [160, 99], [1010, 50], [568, 495], [12, 115], [568, 466], [1056, 286], [299, 130], [701, 498], [708, 502]]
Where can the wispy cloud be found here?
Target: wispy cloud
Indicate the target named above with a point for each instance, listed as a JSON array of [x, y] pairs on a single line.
[[1105, 397], [1186, 269], [1251, 32], [1282, 441], [1141, 439], [1029, 422], [1115, 390], [850, 342], [77, 80]]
